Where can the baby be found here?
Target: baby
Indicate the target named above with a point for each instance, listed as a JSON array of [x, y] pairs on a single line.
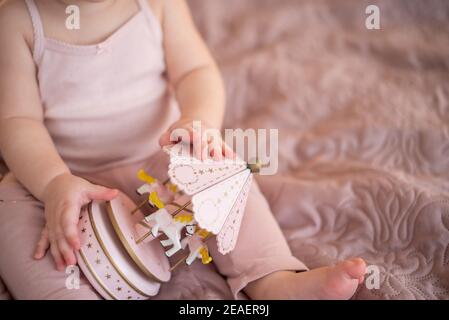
[[82, 110]]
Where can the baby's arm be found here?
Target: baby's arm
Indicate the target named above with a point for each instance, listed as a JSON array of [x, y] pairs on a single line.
[[24, 141], [26, 145], [192, 71]]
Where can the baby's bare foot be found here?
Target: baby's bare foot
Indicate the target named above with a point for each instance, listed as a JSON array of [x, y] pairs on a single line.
[[336, 282]]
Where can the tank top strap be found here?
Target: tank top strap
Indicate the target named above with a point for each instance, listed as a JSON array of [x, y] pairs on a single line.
[[38, 30], [151, 18]]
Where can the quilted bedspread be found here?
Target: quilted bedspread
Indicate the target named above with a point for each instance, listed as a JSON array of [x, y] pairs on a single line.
[[363, 119]]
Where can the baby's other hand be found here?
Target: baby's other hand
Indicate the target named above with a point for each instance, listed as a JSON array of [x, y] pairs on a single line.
[[64, 197], [206, 140]]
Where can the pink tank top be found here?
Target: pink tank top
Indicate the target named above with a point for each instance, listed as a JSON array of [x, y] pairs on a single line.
[[105, 105]]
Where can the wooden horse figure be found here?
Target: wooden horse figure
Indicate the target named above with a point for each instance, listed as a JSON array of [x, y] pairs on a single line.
[[190, 231], [163, 221], [197, 247], [165, 191]]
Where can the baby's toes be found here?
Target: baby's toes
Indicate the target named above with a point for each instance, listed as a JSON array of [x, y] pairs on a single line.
[[355, 268]]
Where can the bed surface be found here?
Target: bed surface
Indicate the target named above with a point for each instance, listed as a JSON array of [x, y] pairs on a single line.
[[364, 133]]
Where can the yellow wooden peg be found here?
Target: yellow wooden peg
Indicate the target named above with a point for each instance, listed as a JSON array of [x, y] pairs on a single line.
[[184, 218], [203, 233], [172, 187], [143, 176], [205, 257], [154, 199]]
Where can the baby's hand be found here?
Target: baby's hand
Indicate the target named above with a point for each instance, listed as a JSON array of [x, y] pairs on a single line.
[[64, 197], [206, 142]]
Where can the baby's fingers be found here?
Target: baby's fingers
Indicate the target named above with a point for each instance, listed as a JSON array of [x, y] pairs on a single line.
[[227, 151], [42, 245], [176, 134], [57, 255], [67, 252], [164, 140], [69, 222], [215, 148]]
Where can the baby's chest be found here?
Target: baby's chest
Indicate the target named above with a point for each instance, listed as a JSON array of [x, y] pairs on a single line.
[[117, 71]]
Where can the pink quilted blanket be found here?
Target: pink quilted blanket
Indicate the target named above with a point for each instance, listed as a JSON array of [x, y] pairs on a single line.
[[364, 133]]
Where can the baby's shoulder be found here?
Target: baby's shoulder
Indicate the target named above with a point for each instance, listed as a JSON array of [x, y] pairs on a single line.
[[15, 21], [157, 6]]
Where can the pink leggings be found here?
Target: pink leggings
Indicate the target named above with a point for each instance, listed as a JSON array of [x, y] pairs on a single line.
[[261, 247]]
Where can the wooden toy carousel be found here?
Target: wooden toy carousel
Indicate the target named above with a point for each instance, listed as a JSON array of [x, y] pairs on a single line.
[[125, 254]]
